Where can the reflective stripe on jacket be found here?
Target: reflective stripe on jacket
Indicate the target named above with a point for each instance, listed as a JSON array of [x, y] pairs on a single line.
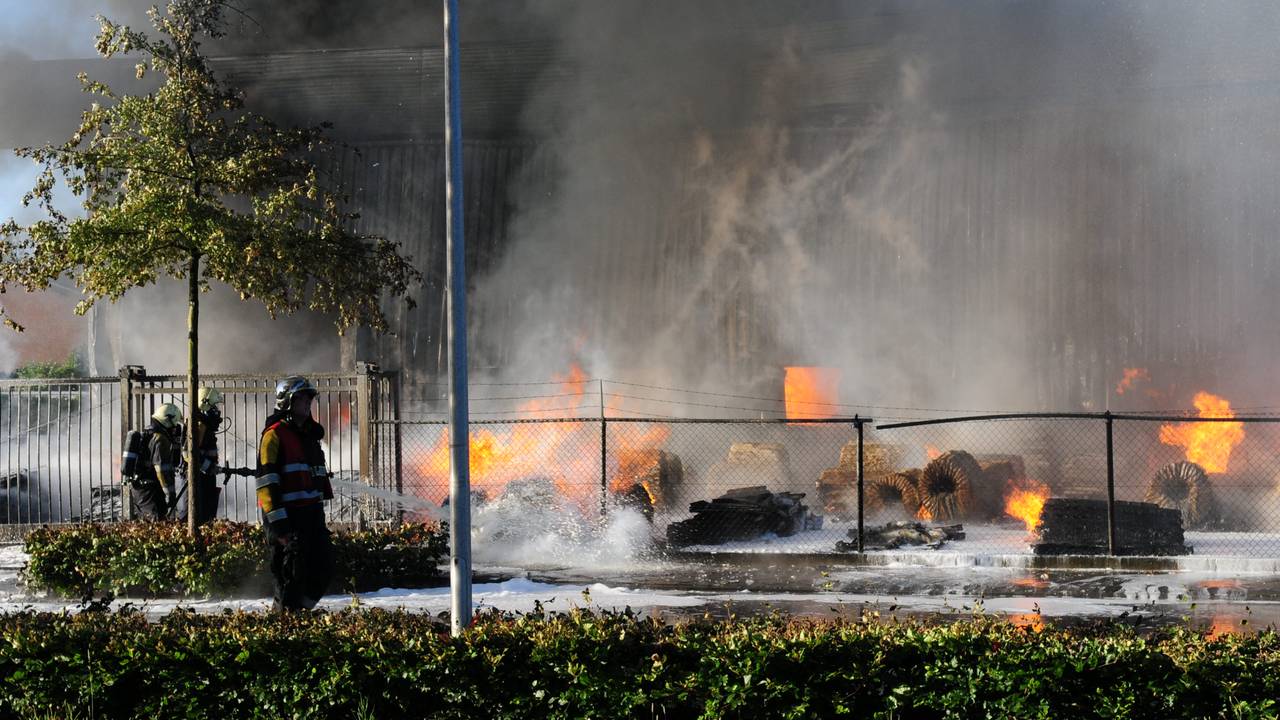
[[291, 471]]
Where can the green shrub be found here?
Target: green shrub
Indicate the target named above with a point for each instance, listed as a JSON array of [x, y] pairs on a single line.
[[159, 558], [618, 665], [69, 368]]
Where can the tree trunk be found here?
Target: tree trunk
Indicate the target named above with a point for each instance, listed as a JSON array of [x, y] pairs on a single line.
[[193, 375]]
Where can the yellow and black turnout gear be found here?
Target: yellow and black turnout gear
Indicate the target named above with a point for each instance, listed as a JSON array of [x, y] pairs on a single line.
[[206, 476], [154, 487]]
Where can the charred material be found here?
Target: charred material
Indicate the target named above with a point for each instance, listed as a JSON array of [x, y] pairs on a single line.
[[887, 492], [1001, 464], [1184, 486], [647, 478], [946, 486], [838, 492], [838, 486], [105, 505], [896, 534], [1071, 526], [22, 501], [990, 485], [742, 514]]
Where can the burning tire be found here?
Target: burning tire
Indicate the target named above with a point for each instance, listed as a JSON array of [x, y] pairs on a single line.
[[895, 489], [1184, 486], [946, 486]]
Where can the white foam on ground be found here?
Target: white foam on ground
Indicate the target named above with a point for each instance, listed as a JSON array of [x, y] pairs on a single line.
[[536, 530]]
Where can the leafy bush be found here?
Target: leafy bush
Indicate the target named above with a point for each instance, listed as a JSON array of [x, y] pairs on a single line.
[[69, 368], [229, 558], [618, 665]]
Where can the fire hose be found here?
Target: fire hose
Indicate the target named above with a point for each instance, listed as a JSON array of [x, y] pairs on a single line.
[[226, 471]]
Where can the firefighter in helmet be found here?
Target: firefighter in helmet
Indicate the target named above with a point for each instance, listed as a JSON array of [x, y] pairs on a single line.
[[154, 489], [292, 485], [208, 418]]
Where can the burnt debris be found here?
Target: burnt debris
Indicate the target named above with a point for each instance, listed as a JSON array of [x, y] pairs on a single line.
[[742, 514], [896, 534]]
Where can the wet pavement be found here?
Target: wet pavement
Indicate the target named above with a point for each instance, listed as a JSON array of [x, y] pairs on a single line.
[[752, 585]]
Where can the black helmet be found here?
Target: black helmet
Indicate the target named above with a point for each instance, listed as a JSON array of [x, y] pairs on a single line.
[[290, 386]]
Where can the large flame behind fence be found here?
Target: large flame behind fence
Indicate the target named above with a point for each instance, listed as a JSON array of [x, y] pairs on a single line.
[[1208, 444]]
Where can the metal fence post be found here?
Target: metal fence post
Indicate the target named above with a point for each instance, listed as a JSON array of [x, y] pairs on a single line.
[[128, 374], [604, 451], [858, 424], [366, 373], [396, 440], [1111, 488]]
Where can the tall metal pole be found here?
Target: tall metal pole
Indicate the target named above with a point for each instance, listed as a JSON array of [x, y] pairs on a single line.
[[459, 460], [858, 422], [604, 456], [1111, 489]]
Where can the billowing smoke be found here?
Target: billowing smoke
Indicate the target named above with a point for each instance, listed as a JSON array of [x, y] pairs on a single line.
[[983, 205], [969, 206], [43, 47]]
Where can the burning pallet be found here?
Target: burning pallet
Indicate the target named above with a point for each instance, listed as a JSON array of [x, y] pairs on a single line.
[[742, 514], [1071, 526]]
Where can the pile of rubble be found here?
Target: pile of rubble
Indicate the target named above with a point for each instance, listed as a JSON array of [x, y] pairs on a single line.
[[896, 534], [743, 514]]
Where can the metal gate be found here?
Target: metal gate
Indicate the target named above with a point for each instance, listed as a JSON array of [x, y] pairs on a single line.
[[60, 441]]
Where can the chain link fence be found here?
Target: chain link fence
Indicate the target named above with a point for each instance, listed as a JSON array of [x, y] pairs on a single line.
[[993, 485], [1065, 483]]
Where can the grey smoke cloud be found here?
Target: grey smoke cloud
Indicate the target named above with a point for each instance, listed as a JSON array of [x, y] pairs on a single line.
[[979, 205]]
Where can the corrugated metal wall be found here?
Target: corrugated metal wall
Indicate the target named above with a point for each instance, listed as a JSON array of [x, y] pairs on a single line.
[[1076, 240]]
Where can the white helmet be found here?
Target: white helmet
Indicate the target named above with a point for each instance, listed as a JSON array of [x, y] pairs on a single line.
[[208, 399], [167, 415], [290, 386]]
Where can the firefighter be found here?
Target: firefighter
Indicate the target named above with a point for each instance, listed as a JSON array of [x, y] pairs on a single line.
[[153, 489], [208, 418], [292, 485]]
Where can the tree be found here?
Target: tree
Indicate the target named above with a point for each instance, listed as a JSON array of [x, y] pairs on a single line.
[[184, 182]]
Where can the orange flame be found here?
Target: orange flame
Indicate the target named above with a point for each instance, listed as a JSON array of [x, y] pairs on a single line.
[[636, 456], [1025, 500], [1207, 444], [567, 452], [1031, 621], [1221, 625], [811, 392], [1131, 376], [550, 450], [931, 451]]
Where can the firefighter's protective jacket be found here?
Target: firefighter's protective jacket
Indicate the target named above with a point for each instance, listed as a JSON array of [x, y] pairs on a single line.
[[207, 445], [291, 470], [166, 455]]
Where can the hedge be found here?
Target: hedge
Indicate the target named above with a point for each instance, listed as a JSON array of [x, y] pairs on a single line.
[[160, 559], [372, 663]]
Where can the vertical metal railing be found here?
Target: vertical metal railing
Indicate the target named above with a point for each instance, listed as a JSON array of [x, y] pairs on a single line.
[[60, 439]]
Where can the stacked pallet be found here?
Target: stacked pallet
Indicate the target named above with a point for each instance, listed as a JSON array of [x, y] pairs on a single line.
[[1071, 526]]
